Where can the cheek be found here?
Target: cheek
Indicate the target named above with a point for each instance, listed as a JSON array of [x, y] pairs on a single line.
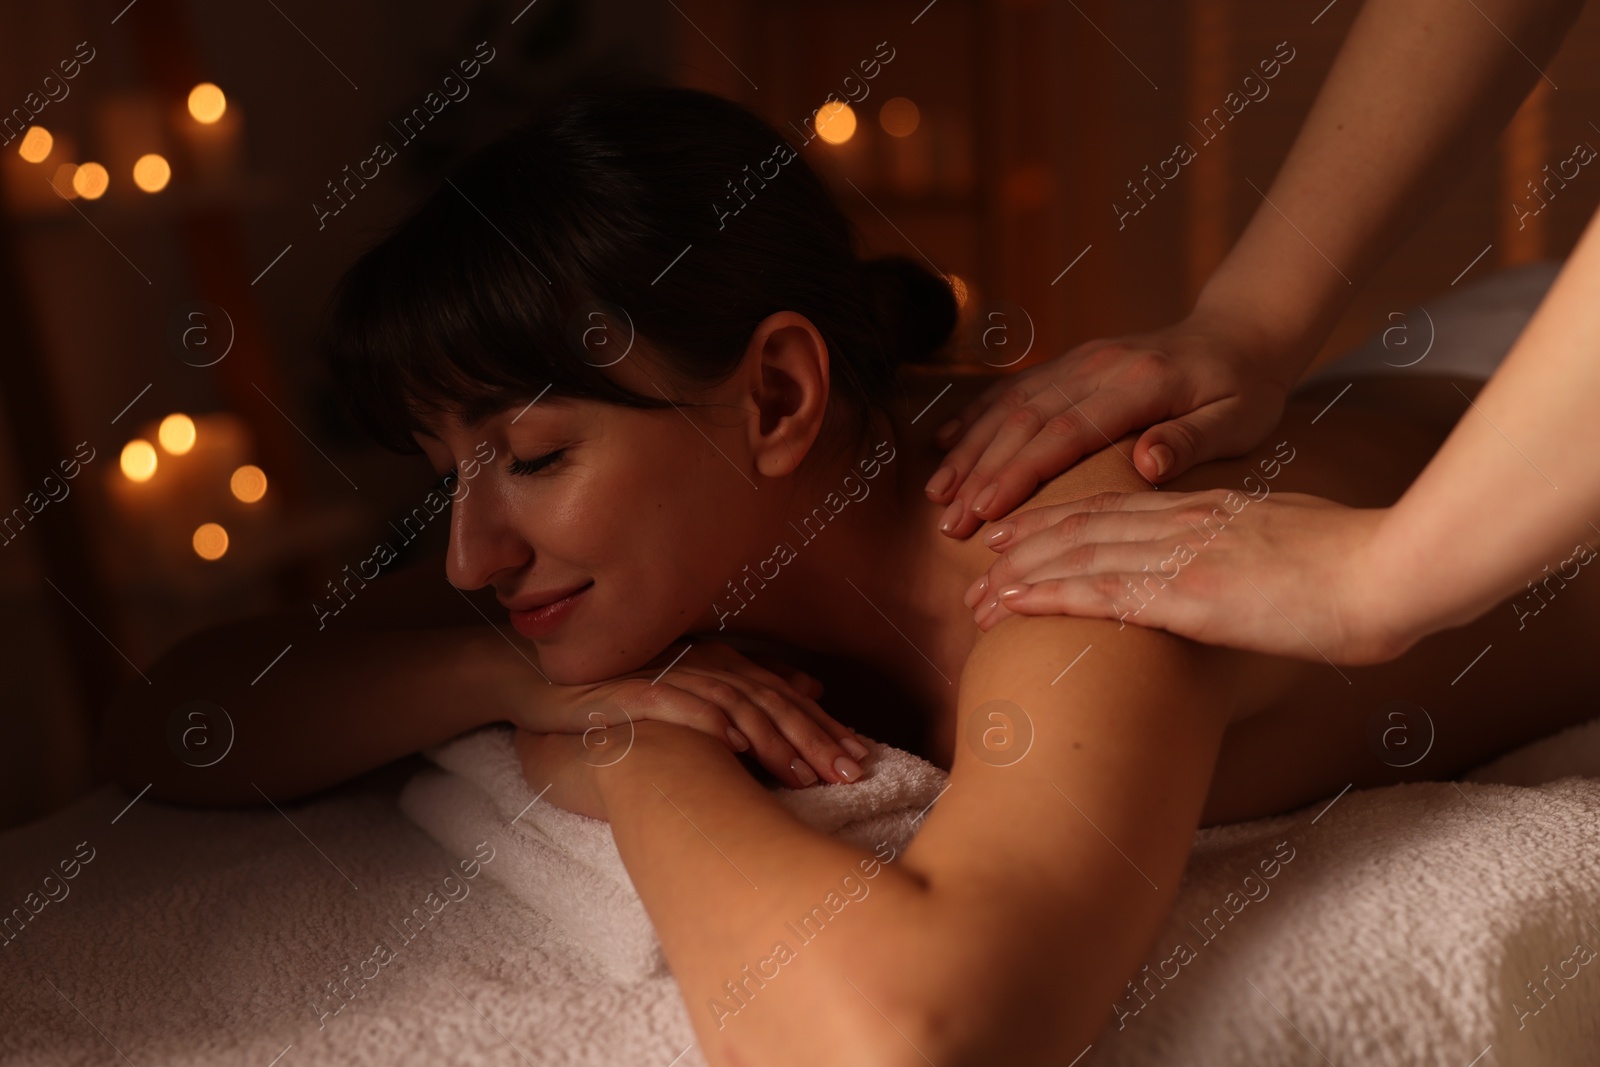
[[661, 533]]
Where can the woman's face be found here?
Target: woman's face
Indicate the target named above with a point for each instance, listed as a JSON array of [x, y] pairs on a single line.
[[633, 508]]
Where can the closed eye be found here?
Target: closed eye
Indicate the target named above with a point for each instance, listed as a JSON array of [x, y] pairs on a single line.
[[517, 466], [535, 465]]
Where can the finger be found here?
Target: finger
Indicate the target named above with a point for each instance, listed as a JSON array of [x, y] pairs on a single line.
[[725, 662], [1226, 427], [674, 702], [975, 408], [766, 743], [812, 732], [1149, 569], [1069, 546], [1078, 429], [1048, 413], [1003, 535], [1009, 395], [1099, 596], [1143, 542], [771, 671], [799, 687]]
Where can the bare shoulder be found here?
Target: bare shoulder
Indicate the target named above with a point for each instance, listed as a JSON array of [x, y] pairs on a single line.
[[1038, 647], [1110, 470]]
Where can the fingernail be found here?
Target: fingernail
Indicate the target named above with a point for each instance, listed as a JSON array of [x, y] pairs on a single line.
[[740, 742], [975, 591], [941, 480], [848, 768], [952, 517], [802, 770], [1012, 591], [985, 498], [944, 432], [999, 535], [854, 747], [1162, 455]]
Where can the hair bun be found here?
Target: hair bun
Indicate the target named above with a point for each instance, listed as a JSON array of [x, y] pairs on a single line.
[[915, 309]]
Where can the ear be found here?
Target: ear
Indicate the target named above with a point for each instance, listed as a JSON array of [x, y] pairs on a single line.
[[787, 361]]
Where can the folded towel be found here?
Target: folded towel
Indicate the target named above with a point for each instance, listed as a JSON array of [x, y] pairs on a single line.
[[1425, 922], [596, 913], [566, 866], [1573, 751]]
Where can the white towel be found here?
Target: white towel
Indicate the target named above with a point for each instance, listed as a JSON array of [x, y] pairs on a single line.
[[1420, 923], [566, 866]]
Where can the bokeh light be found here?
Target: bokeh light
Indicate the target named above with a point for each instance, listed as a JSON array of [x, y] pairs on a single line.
[[176, 433], [958, 286], [90, 181], [249, 483], [899, 117], [210, 541], [36, 144], [62, 180], [207, 103], [138, 460], [836, 122], [152, 172]]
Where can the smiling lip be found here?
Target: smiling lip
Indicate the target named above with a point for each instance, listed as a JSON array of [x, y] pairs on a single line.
[[539, 621]]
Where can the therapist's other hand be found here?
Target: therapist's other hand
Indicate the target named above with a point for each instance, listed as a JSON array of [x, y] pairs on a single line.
[[1288, 575], [1200, 386]]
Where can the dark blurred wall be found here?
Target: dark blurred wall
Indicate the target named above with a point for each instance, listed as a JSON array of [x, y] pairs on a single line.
[[1033, 116], [312, 87]]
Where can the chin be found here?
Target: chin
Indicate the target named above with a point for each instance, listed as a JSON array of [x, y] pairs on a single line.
[[606, 653]]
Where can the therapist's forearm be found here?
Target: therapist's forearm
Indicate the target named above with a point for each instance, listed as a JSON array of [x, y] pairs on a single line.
[[1418, 89], [1516, 485]]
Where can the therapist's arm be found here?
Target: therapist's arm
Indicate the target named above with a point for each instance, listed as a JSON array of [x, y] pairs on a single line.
[[1516, 486], [1418, 89], [1515, 489]]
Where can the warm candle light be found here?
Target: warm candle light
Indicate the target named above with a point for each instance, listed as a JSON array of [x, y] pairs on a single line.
[[836, 122], [207, 103], [62, 180], [899, 117], [138, 460], [958, 287], [210, 541], [91, 181], [36, 144], [249, 483], [176, 434], [152, 172]]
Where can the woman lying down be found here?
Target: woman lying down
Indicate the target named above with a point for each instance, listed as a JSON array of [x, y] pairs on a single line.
[[672, 428]]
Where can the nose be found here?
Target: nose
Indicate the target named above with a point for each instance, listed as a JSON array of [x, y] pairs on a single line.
[[483, 543]]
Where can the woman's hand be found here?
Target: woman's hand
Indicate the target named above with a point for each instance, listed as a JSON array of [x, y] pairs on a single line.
[[1201, 386], [712, 688], [1289, 575]]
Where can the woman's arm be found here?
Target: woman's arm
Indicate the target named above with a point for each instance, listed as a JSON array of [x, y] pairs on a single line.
[[1418, 89], [989, 940], [399, 670], [307, 703]]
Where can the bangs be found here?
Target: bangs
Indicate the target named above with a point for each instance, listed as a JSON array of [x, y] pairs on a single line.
[[454, 315]]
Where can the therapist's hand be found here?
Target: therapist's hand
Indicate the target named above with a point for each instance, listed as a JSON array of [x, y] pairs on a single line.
[[1203, 387], [1289, 574]]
